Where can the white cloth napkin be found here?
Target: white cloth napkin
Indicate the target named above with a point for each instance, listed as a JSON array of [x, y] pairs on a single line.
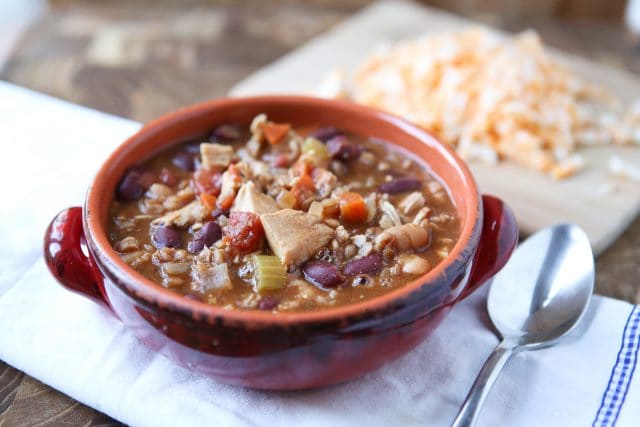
[[51, 150]]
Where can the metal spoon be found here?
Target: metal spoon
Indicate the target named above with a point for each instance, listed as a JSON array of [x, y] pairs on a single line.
[[538, 298]]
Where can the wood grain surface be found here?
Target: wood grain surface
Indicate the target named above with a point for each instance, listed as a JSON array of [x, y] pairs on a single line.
[[138, 61], [27, 402]]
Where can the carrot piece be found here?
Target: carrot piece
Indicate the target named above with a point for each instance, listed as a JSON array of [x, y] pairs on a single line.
[[226, 202], [303, 190], [275, 132], [208, 200], [302, 167], [352, 207]]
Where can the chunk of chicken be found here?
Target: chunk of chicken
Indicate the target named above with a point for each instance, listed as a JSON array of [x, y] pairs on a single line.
[[137, 258], [282, 180], [403, 237], [327, 208], [412, 203], [249, 199], [422, 215], [215, 155], [128, 244], [414, 264], [185, 216], [158, 192], [325, 181], [390, 212], [294, 236], [370, 203], [211, 276], [255, 170], [286, 199], [230, 183], [255, 143], [178, 200]]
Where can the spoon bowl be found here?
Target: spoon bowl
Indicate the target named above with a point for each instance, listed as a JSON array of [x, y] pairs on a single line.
[[538, 298]]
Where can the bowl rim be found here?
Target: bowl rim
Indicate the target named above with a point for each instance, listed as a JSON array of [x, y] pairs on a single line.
[[141, 288]]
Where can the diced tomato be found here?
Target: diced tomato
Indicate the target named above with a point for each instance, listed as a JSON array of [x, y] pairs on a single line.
[[352, 207], [208, 200], [206, 181], [275, 132], [303, 190], [244, 232]]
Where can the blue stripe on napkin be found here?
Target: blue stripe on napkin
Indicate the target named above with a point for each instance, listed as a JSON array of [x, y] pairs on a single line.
[[621, 373]]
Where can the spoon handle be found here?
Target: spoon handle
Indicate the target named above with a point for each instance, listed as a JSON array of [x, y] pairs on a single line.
[[468, 414]]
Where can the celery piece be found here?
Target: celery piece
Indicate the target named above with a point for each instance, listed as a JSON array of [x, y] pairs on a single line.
[[270, 273], [315, 151]]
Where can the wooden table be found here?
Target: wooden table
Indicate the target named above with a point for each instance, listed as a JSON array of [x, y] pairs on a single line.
[[139, 62]]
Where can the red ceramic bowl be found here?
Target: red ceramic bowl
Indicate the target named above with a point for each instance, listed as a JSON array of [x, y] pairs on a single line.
[[287, 350]]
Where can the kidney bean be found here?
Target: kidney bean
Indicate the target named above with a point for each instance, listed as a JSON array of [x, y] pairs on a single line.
[[226, 133], [134, 183], [400, 185], [163, 236], [326, 133], [369, 264], [192, 147], [218, 212], [206, 236], [268, 303], [129, 187], [185, 161], [341, 148], [323, 273]]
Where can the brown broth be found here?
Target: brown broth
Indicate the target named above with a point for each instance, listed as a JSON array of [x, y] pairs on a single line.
[[379, 163]]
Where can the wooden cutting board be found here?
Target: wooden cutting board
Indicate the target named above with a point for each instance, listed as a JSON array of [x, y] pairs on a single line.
[[537, 200]]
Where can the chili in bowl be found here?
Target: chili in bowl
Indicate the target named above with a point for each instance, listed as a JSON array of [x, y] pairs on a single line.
[[281, 242]]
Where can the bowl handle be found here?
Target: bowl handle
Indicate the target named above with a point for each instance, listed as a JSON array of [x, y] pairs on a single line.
[[67, 262], [498, 239]]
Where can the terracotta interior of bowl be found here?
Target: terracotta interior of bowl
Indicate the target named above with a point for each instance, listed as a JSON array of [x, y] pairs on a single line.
[[299, 111]]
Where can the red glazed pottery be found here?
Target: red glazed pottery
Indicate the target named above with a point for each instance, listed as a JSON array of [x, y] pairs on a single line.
[[286, 350]]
